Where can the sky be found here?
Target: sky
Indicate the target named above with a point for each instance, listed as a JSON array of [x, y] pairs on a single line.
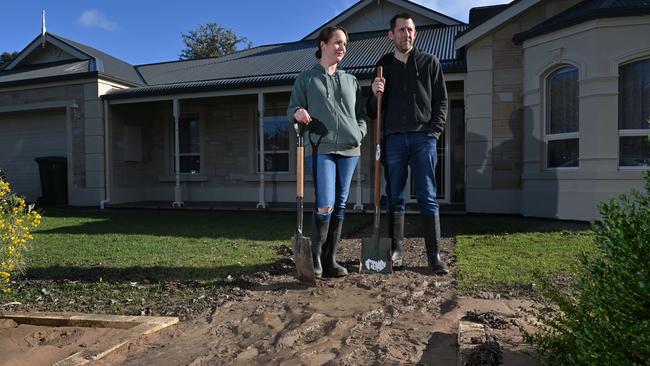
[[146, 31]]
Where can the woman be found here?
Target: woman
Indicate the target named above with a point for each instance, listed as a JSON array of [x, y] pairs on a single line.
[[328, 102]]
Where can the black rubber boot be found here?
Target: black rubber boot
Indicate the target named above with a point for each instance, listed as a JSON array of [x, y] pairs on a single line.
[[396, 237], [318, 237], [431, 231], [330, 267]]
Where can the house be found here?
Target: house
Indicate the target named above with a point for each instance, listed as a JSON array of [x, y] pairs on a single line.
[[557, 95], [548, 102]]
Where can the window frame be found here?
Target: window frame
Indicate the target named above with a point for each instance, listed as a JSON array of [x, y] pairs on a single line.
[[632, 132], [263, 154], [550, 137], [186, 116]]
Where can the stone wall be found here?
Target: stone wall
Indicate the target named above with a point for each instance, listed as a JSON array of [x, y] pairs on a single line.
[[228, 138], [573, 193], [494, 112], [507, 93]]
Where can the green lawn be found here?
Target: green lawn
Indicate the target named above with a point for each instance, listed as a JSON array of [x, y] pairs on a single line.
[[141, 261], [157, 245], [180, 262], [154, 245], [515, 258]]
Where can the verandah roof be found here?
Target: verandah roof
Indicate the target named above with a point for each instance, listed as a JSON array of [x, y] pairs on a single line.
[[279, 64]]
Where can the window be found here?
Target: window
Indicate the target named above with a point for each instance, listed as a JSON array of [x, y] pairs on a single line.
[[634, 114], [277, 134], [561, 135], [276, 144], [190, 144]]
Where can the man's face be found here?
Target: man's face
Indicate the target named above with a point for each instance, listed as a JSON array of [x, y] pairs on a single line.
[[335, 48], [403, 35]]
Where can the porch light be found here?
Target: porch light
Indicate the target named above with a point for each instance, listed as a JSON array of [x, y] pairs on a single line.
[[74, 107]]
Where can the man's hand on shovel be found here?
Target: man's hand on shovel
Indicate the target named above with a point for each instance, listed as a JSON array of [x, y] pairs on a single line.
[[378, 86]]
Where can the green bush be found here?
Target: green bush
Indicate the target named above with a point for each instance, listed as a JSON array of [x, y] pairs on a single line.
[[607, 321], [17, 219]]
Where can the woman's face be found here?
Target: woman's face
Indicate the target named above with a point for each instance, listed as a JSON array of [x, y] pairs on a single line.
[[334, 50]]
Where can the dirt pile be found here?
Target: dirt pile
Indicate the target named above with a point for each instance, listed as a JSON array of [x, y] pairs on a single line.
[[406, 317]]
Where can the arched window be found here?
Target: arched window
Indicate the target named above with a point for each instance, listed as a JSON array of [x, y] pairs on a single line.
[[561, 133], [634, 114]]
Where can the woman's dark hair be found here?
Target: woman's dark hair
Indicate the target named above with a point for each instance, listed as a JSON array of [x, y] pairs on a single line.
[[326, 34]]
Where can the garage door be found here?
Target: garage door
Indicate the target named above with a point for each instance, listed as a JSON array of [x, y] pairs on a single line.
[[25, 136]]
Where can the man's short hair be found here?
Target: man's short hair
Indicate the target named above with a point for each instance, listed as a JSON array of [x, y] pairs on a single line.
[[393, 20]]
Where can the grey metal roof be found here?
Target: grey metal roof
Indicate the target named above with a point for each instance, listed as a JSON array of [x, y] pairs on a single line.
[[481, 14], [106, 63], [53, 69], [280, 64], [98, 63], [584, 11]]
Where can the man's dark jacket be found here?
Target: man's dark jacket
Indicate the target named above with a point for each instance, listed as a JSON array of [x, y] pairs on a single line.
[[415, 95]]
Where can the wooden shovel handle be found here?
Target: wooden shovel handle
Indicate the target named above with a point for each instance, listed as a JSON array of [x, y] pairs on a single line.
[[300, 171], [380, 74]]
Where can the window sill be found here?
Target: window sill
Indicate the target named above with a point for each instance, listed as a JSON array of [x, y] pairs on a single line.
[[620, 174], [633, 167], [184, 178], [268, 177]]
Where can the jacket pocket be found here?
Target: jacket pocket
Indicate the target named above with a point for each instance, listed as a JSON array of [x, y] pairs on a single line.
[[357, 136], [422, 98], [350, 135], [351, 138]]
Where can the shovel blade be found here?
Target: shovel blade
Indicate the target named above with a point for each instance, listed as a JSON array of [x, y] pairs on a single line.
[[302, 258], [376, 255]]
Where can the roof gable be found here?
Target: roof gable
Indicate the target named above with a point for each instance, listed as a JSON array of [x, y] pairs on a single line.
[[374, 15], [47, 54], [48, 49], [45, 49]]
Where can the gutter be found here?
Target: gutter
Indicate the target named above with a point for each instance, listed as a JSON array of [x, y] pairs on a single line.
[[83, 75]]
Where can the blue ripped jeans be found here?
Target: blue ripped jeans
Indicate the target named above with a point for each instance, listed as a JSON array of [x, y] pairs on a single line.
[[332, 177], [417, 150]]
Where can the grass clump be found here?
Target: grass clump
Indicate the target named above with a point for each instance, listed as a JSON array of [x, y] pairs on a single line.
[[512, 263]]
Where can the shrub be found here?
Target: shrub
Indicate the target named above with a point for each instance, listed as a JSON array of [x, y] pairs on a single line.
[[16, 221], [607, 321]]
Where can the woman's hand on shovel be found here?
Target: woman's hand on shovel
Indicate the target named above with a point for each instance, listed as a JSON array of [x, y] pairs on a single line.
[[302, 116]]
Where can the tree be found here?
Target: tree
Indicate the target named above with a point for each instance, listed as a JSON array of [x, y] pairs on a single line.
[[6, 58], [211, 40]]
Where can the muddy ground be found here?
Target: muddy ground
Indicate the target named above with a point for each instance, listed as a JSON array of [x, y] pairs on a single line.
[[408, 317], [24, 344]]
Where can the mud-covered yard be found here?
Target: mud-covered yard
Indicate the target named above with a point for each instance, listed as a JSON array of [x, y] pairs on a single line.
[[408, 317]]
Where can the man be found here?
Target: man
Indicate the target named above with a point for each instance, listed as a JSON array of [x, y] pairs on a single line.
[[415, 109]]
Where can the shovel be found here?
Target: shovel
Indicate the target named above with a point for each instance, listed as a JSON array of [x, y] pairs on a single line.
[[301, 245], [376, 251]]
